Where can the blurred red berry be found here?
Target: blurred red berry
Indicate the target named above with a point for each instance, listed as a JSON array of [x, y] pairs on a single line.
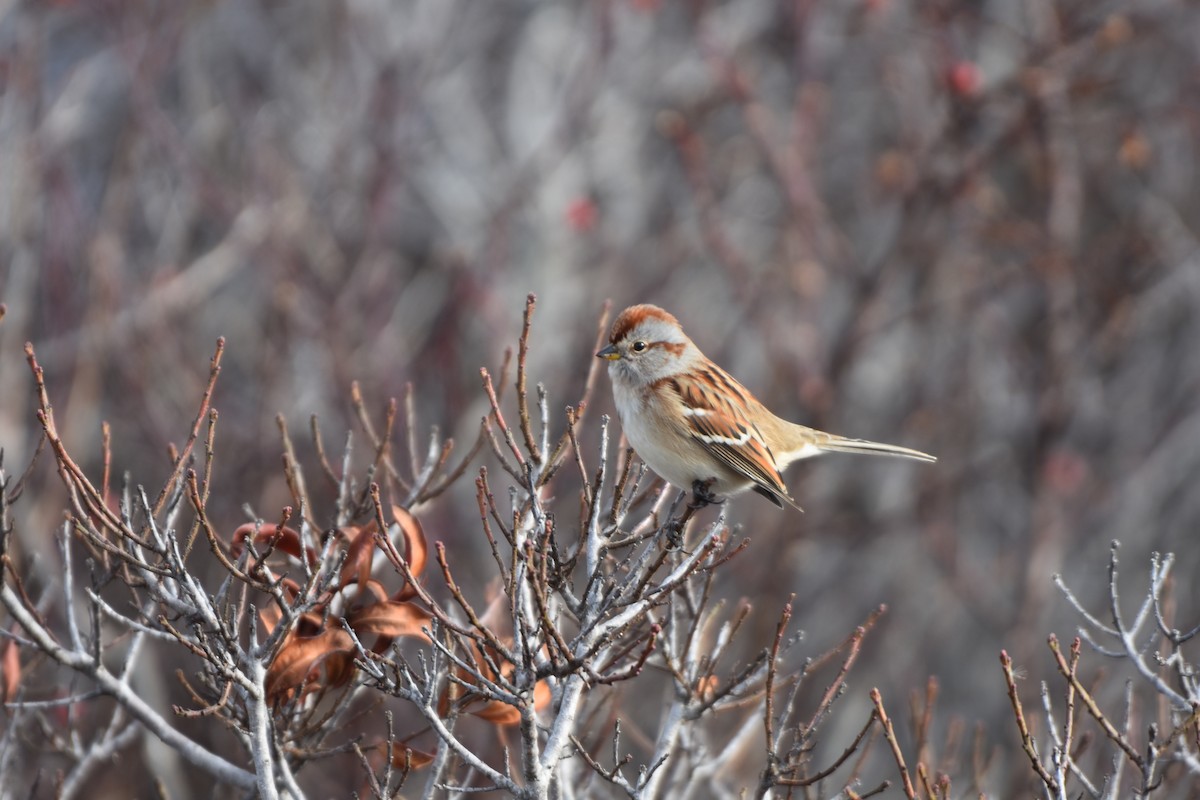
[[1064, 472], [581, 215], [963, 78]]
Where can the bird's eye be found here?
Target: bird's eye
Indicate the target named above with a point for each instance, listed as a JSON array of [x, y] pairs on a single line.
[[639, 347]]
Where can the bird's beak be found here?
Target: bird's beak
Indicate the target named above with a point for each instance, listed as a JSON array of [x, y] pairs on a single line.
[[609, 353]]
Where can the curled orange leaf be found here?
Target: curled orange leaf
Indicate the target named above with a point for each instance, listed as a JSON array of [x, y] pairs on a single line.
[[416, 550], [359, 553], [498, 713], [494, 711], [309, 663], [391, 619], [10, 664], [404, 756], [270, 615], [285, 539]]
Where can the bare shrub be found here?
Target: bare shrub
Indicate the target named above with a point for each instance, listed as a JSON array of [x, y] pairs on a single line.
[[340, 633]]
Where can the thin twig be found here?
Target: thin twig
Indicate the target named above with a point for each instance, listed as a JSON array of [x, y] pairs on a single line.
[[890, 734], [1027, 742]]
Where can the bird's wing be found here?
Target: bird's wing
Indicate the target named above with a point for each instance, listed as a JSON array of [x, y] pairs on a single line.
[[714, 407]]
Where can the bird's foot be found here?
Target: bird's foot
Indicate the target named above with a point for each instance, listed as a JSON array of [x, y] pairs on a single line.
[[675, 533], [702, 494]]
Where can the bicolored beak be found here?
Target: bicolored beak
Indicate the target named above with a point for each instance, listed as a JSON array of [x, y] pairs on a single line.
[[609, 353]]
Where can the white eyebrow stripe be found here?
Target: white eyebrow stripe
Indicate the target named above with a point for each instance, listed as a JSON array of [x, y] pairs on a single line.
[[688, 411]]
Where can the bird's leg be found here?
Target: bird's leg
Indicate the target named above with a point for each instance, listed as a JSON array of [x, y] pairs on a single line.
[[675, 530], [702, 494]]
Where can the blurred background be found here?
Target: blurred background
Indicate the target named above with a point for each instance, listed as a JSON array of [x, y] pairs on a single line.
[[965, 227]]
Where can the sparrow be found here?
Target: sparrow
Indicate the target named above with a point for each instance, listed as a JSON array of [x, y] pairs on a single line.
[[692, 423]]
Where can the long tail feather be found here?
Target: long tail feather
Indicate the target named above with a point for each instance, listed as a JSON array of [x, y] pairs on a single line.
[[839, 444]]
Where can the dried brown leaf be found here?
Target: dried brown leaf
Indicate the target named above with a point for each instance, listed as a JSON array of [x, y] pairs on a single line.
[[416, 550], [391, 619], [359, 553], [302, 660], [288, 540], [10, 664], [403, 755], [270, 615], [499, 713], [495, 711]]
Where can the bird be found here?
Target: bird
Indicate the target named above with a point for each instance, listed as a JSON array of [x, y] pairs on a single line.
[[696, 426]]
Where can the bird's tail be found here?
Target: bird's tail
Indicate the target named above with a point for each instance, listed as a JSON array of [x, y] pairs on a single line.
[[840, 444], [807, 442]]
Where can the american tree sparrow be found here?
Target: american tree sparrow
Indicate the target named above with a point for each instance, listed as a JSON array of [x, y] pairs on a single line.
[[696, 426]]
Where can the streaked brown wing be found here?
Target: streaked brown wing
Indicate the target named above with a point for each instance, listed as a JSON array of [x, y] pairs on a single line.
[[718, 423]]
